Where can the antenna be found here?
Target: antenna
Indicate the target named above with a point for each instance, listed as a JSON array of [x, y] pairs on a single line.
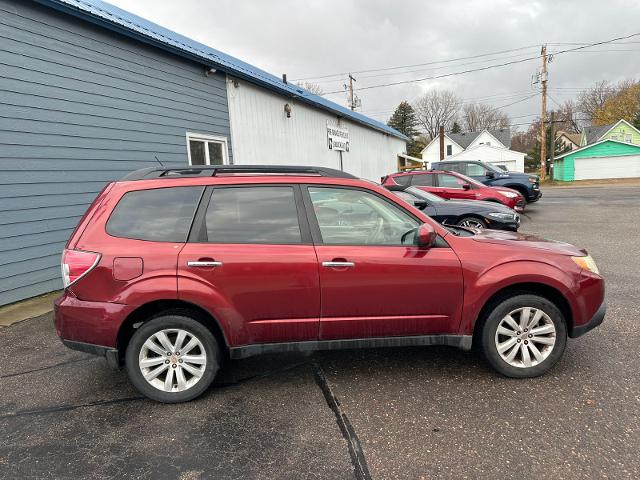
[[157, 160]]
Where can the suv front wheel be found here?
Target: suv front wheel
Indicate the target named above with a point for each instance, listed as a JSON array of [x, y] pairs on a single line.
[[524, 336], [172, 359]]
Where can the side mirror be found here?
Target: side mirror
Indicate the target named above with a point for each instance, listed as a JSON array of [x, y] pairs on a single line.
[[466, 186], [426, 236], [420, 204], [491, 175]]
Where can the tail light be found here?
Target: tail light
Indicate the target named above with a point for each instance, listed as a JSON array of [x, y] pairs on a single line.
[[76, 264]]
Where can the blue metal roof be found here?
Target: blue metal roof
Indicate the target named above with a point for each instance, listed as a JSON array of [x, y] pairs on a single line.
[[121, 21]]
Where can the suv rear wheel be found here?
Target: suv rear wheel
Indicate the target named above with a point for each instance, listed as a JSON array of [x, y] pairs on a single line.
[[524, 336], [172, 359]]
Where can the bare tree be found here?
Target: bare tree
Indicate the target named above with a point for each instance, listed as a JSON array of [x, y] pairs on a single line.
[[436, 108], [311, 87], [568, 119], [478, 116], [593, 99]]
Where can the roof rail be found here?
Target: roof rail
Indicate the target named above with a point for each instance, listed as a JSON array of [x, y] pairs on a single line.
[[213, 170]]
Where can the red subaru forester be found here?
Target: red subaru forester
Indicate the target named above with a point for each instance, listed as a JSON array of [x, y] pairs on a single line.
[[171, 271]]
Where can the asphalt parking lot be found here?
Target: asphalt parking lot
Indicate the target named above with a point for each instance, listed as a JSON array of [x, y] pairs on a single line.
[[418, 413]]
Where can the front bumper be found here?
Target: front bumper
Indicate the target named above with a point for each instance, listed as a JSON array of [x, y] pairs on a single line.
[[498, 225], [579, 330], [534, 194]]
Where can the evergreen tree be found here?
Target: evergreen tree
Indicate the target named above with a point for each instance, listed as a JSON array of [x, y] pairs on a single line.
[[404, 120], [636, 120], [455, 128]]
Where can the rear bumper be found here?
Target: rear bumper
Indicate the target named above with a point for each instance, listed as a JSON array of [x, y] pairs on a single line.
[[89, 325], [596, 320], [111, 354]]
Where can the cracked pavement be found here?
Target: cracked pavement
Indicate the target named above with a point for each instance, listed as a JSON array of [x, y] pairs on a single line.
[[418, 413]]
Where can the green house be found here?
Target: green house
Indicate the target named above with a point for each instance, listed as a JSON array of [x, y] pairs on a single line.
[[604, 159], [621, 130]]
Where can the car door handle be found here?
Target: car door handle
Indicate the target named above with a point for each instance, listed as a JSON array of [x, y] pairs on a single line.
[[335, 264], [204, 263]]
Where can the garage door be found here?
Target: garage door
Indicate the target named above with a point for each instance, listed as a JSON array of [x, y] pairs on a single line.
[[510, 165], [627, 166]]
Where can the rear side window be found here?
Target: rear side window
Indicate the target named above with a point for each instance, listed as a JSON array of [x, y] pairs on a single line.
[[253, 215], [158, 215], [422, 180], [402, 179]]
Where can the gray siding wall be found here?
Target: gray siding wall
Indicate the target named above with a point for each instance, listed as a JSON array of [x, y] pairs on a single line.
[[80, 106]]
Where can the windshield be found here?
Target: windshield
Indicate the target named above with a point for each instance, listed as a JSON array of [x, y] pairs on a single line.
[[493, 168], [421, 194]]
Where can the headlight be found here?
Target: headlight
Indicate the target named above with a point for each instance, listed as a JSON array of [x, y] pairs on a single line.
[[508, 194], [586, 263], [502, 216]]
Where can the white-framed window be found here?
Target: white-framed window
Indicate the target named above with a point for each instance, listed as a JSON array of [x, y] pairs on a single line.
[[628, 138], [207, 149]]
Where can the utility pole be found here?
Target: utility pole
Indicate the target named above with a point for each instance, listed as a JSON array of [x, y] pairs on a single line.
[[552, 153], [543, 116], [352, 102]]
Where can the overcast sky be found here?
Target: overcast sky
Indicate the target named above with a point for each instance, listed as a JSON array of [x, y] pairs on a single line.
[[306, 38]]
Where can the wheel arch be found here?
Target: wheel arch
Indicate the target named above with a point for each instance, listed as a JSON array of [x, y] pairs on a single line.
[[156, 308], [525, 288]]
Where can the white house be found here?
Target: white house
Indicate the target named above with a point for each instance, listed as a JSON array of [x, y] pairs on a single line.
[[491, 146]]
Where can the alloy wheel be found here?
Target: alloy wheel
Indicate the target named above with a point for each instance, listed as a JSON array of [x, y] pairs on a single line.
[[471, 223], [525, 337], [172, 360]]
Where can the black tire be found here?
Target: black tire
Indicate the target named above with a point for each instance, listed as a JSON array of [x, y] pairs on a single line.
[[482, 223], [194, 328], [500, 311]]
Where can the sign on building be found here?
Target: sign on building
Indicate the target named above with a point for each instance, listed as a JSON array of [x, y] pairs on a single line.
[[337, 138]]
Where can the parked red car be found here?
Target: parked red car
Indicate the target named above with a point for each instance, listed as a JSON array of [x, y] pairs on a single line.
[[170, 271], [454, 185]]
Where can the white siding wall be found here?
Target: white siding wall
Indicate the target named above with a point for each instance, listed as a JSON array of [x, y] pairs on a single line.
[[511, 159], [431, 152], [626, 166], [261, 133]]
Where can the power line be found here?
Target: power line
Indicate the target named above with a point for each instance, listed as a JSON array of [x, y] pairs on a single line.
[[421, 70], [416, 64], [488, 67]]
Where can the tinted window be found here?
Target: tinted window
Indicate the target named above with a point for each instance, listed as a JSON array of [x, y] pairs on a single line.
[[449, 181], [160, 215], [355, 217], [402, 179], [253, 215], [422, 180]]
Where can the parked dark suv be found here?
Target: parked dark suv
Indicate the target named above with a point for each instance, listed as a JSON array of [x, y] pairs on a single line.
[[528, 185], [171, 271]]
